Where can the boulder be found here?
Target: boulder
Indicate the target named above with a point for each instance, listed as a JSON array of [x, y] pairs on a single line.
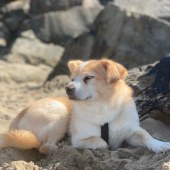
[[23, 73], [78, 48], [45, 6], [133, 39], [156, 8], [151, 85], [13, 13], [130, 38], [11, 16], [4, 35], [62, 26], [29, 49], [105, 2], [52, 5], [3, 2]]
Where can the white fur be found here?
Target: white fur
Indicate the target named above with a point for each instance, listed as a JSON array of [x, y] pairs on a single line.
[[123, 124], [82, 90]]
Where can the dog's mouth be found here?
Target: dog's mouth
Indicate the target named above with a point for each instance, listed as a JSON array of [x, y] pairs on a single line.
[[73, 97]]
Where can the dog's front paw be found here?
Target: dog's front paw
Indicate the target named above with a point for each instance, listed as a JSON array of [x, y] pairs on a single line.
[[97, 143], [47, 149], [91, 143], [159, 146]]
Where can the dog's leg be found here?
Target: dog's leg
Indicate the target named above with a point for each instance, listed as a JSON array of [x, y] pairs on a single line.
[[49, 143], [141, 137], [52, 134], [93, 142], [48, 148]]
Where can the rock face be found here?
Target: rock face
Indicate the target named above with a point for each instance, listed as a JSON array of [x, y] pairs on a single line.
[[152, 90]]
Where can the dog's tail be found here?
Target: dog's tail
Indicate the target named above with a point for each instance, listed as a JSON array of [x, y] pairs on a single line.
[[21, 139]]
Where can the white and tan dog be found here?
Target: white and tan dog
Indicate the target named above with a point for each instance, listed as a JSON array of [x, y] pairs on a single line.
[[102, 96], [98, 95]]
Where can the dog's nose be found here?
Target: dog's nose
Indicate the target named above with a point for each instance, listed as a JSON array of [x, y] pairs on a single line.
[[70, 89]]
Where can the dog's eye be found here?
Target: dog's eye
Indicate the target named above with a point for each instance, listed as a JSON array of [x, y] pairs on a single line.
[[72, 79], [87, 78]]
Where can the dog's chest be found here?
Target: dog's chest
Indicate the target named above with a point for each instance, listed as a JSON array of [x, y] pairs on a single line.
[[98, 114]]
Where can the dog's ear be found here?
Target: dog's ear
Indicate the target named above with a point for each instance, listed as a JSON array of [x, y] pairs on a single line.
[[73, 65], [114, 71]]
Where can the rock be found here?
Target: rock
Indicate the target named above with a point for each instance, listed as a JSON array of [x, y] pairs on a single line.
[[61, 26], [74, 50], [16, 5], [22, 73], [138, 78], [45, 6], [4, 35], [130, 38], [151, 85], [11, 16], [105, 2], [27, 48], [156, 8], [3, 2], [14, 13]]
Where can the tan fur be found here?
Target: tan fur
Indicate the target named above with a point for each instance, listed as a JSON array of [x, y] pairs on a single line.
[[67, 103], [20, 139], [74, 65], [40, 125], [14, 123], [115, 71]]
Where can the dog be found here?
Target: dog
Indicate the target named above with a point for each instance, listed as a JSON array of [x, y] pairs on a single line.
[[97, 95], [100, 95]]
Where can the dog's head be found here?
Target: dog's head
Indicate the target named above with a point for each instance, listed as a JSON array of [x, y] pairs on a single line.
[[93, 79]]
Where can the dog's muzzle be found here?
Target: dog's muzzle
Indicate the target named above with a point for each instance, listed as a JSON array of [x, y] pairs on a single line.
[[70, 90]]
